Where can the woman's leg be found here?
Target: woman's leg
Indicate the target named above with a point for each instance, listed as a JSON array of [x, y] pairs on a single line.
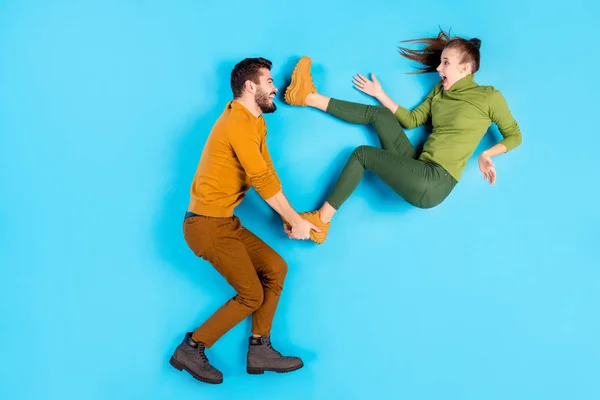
[[420, 183], [302, 91], [408, 177], [391, 135]]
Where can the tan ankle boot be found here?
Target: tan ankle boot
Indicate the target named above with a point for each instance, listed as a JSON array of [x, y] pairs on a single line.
[[301, 85]]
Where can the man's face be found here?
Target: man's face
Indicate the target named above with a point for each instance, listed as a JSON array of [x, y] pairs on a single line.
[[265, 92]]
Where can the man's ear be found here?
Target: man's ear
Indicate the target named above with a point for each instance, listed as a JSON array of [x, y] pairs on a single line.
[[250, 86]]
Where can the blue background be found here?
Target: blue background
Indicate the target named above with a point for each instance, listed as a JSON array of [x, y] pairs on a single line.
[[105, 107]]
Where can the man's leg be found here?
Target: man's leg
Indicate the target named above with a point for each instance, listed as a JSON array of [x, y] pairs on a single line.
[[272, 270], [217, 241], [221, 245]]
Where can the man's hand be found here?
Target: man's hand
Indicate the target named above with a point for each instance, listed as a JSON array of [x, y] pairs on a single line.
[[487, 168], [287, 229], [301, 230]]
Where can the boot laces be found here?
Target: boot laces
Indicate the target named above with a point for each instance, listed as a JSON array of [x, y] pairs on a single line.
[[270, 346], [200, 351]]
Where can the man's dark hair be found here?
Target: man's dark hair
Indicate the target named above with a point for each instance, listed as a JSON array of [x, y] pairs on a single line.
[[247, 69]]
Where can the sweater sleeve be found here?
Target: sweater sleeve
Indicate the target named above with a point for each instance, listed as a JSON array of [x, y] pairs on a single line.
[[500, 114], [269, 162], [246, 144], [417, 117]]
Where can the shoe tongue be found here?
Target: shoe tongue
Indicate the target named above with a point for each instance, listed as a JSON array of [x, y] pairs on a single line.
[[193, 343]]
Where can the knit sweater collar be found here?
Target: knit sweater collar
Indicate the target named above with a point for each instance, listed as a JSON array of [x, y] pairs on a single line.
[[235, 105], [467, 82]]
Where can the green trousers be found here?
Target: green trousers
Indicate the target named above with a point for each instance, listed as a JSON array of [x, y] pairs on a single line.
[[421, 183]]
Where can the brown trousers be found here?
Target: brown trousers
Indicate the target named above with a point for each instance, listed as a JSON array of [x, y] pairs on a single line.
[[249, 265]]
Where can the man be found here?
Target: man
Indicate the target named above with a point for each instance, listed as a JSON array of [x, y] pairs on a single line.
[[234, 159]]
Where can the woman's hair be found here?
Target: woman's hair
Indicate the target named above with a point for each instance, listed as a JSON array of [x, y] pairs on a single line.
[[429, 56]]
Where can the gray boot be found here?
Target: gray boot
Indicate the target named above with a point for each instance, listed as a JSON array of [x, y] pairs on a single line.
[[189, 355], [263, 357]]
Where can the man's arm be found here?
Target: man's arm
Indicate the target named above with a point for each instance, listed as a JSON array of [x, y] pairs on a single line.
[[269, 161], [283, 207], [279, 201], [245, 142], [247, 147]]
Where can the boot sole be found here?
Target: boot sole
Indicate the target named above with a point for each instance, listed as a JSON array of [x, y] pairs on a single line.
[[179, 366], [295, 87], [260, 371]]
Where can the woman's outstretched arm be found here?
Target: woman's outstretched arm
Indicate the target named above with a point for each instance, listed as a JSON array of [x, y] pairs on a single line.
[[407, 118]]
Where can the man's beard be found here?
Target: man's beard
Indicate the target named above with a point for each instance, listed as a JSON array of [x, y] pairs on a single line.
[[265, 103]]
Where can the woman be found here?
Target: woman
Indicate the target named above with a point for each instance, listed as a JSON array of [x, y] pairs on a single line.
[[461, 112]]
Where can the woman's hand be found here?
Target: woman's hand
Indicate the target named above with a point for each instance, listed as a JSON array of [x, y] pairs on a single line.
[[372, 88], [487, 168]]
